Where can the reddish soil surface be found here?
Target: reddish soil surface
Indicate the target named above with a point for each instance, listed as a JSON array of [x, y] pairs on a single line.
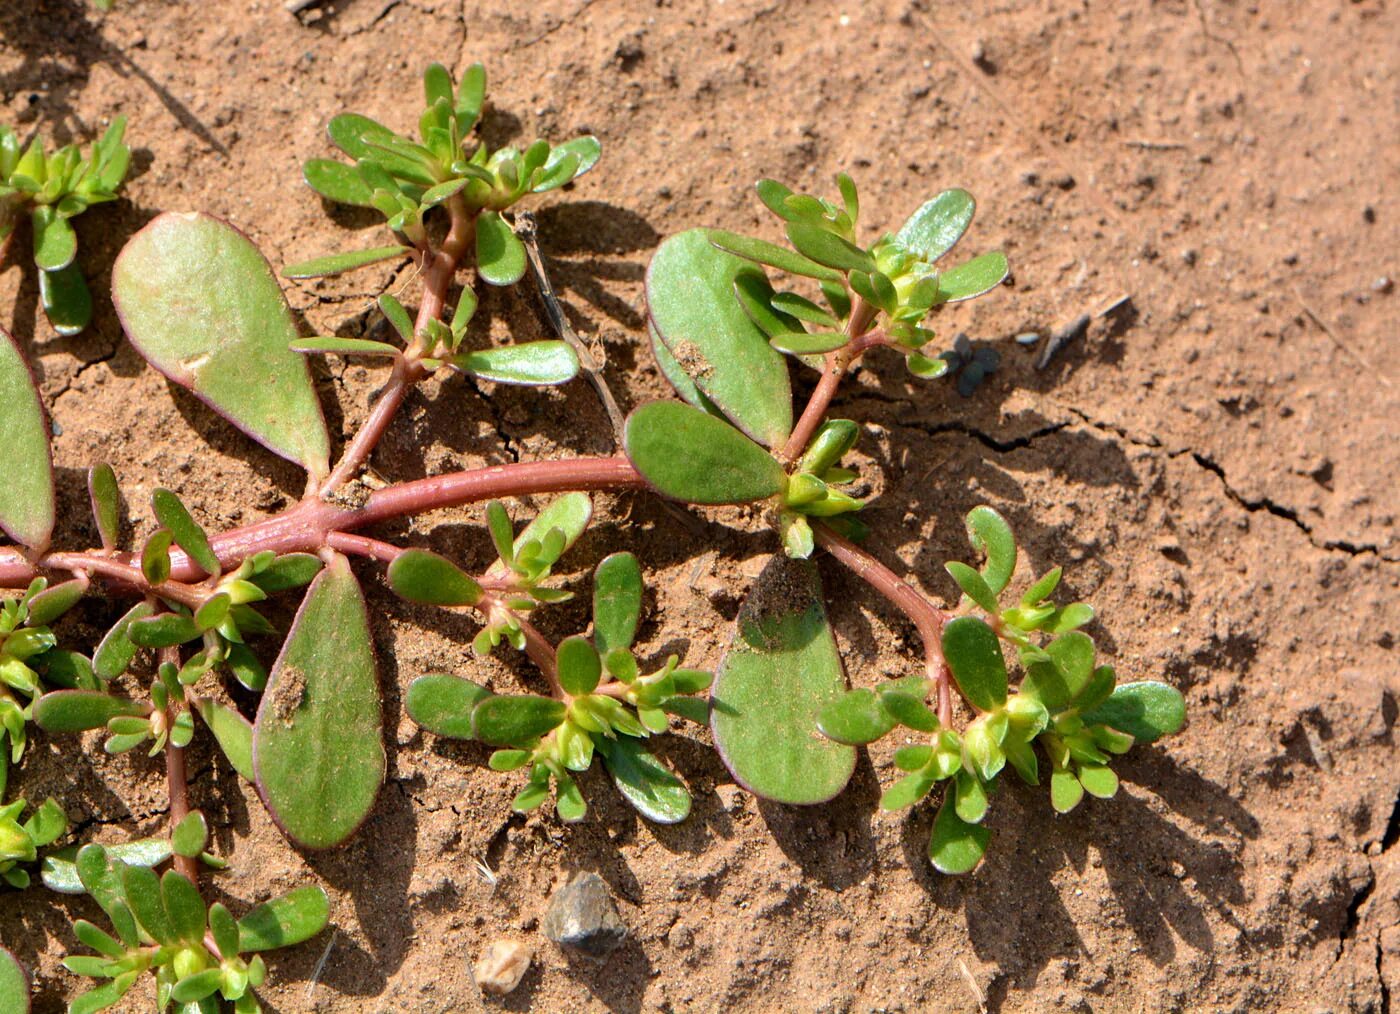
[[1214, 463]]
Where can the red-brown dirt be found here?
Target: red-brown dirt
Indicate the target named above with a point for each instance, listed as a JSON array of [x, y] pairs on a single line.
[[1215, 465]]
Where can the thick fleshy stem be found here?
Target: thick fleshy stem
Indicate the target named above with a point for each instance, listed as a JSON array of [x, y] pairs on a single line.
[[834, 370], [439, 269], [928, 619], [307, 526], [176, 778]]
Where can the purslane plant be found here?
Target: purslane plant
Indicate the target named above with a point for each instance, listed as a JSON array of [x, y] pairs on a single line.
[[52, 189], [201, 304]]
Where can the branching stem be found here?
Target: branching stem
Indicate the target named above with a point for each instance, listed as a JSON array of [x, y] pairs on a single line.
[[439, 270], [836, 366], [309, 525], [927, 617]]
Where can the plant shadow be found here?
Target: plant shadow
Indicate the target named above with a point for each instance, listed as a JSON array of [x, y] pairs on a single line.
[[1163, 874]]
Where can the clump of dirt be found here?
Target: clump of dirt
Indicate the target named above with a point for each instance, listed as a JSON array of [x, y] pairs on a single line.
[[287, 693], [1213, 463]]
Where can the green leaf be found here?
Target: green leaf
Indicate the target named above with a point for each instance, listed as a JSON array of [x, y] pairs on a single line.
[[933, 230], [317, 743], [351, 132], [292, 570], [617, 602], [1042, 589], [234, 734], [335, 264], [51, 603], [849, 197], [979, 275], [990, 534], [55, 243], [755, 295], [774, 256], [542, 362], [509, 720], [198, 300], [296, 916], [163, 631], [331, 345], [471, 94], [190, 835], [690, 287], [1146, 711], [429, 579], [223, 929], [443, 704], [1065, 791], [155, 557], [106, 500], [108, 993], [970, 796], [833, 440], [26, 495], [579, 666], [1058, 681], [799, 343], [115, 652], [500, 256], [1098, 780], [569, 514], [141, 887], [908, 790], [955, 845], [77, 710], [825, 247], [14, 984], [60, 871], [184, 906], [856, 717], [782, 668], [908, 709], [973, 585], [338, 182], [582, 152], [67, 301], [974, 656], [172, 514], [924, 367], [1071, 617], [691, 456], [655, 793]]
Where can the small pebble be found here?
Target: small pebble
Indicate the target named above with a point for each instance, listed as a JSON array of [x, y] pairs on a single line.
[[1027, 338], [1383, 284], [582, 915], [501, 966]]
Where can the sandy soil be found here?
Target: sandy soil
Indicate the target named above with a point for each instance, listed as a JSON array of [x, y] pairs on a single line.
[[1214, 463]]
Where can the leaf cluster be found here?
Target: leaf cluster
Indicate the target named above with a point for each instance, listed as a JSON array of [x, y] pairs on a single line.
[[606, 708], [404, 179], [1066, 703], [160, 924], [55, 187]]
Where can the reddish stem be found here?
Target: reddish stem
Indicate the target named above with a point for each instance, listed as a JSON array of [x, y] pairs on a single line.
[[307, 526], [176, 779], [927, 617], [836, 366], [541, 652], [440, 269]]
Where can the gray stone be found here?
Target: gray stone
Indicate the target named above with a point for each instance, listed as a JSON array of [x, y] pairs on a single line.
[[582, 916]]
